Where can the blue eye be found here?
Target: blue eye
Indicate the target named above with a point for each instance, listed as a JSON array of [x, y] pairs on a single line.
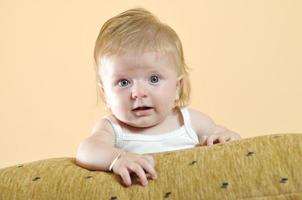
[[123, 83], [154, 79]]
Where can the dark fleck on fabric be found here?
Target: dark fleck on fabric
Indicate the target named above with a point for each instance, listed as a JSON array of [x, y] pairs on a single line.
[[250, 153], [283, 180], [225, 185], [193, 162], [36, 178], [167, 194]]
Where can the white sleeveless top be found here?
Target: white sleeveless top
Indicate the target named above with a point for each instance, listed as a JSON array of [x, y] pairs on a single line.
[[182, 138]]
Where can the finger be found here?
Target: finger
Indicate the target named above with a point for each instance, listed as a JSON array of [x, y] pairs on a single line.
[[210, 140], [221, 139], [228, 138], [125, 176], [238, 137], [232, 138], [149, 159], [203, 140], [148, 168], [138, 170]]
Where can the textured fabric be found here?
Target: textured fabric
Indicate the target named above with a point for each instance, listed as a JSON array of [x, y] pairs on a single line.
[[260, 168], [182, 138]]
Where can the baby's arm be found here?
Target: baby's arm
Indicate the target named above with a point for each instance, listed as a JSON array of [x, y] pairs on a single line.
[[98, 151], [208, 132]]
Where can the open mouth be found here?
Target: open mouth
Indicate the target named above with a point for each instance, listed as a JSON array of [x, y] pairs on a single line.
[[142, 108]]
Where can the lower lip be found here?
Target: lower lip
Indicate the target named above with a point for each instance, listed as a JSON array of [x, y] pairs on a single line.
[[143, 112]]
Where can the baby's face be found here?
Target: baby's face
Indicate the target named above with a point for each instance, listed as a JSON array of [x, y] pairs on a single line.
[[140, 89]]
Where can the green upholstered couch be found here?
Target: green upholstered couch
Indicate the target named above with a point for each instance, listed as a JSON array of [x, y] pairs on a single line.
[[264, 167]]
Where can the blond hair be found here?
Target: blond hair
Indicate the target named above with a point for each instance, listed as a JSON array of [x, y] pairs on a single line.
[[138, 30]]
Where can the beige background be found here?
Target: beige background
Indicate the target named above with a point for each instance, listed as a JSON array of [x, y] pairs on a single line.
[[245, 56]]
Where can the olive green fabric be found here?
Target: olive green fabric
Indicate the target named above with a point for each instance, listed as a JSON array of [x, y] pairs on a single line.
[[261, 168]]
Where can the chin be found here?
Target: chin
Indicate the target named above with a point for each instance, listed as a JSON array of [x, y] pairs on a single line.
[[143, 124]]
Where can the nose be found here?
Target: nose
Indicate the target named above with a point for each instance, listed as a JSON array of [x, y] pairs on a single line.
[[139, 91]]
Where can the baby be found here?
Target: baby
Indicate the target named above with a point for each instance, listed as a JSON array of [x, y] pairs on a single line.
[[144, 80]]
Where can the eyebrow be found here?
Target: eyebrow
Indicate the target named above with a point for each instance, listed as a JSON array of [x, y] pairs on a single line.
[[152, 71]]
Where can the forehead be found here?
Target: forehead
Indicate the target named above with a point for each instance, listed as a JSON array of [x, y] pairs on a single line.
[[131, 62]]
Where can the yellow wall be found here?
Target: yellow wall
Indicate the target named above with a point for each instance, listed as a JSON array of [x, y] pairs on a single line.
[[245, 56]]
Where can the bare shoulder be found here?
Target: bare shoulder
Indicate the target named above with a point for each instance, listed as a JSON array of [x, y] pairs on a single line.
[[201, 122], [103, 131]]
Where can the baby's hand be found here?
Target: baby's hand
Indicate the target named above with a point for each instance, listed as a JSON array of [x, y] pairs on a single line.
[[134, 163], [218, 138]]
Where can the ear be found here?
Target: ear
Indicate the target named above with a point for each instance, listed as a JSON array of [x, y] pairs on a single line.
[[100, 86], [104, 94], [178, 84], [179, 79]]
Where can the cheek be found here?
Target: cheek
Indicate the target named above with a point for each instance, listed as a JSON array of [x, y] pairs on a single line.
[[167, 94], [116, 98]]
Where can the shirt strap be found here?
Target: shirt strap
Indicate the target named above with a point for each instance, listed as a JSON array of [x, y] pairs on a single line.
[[187, 123], [116, 128]]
